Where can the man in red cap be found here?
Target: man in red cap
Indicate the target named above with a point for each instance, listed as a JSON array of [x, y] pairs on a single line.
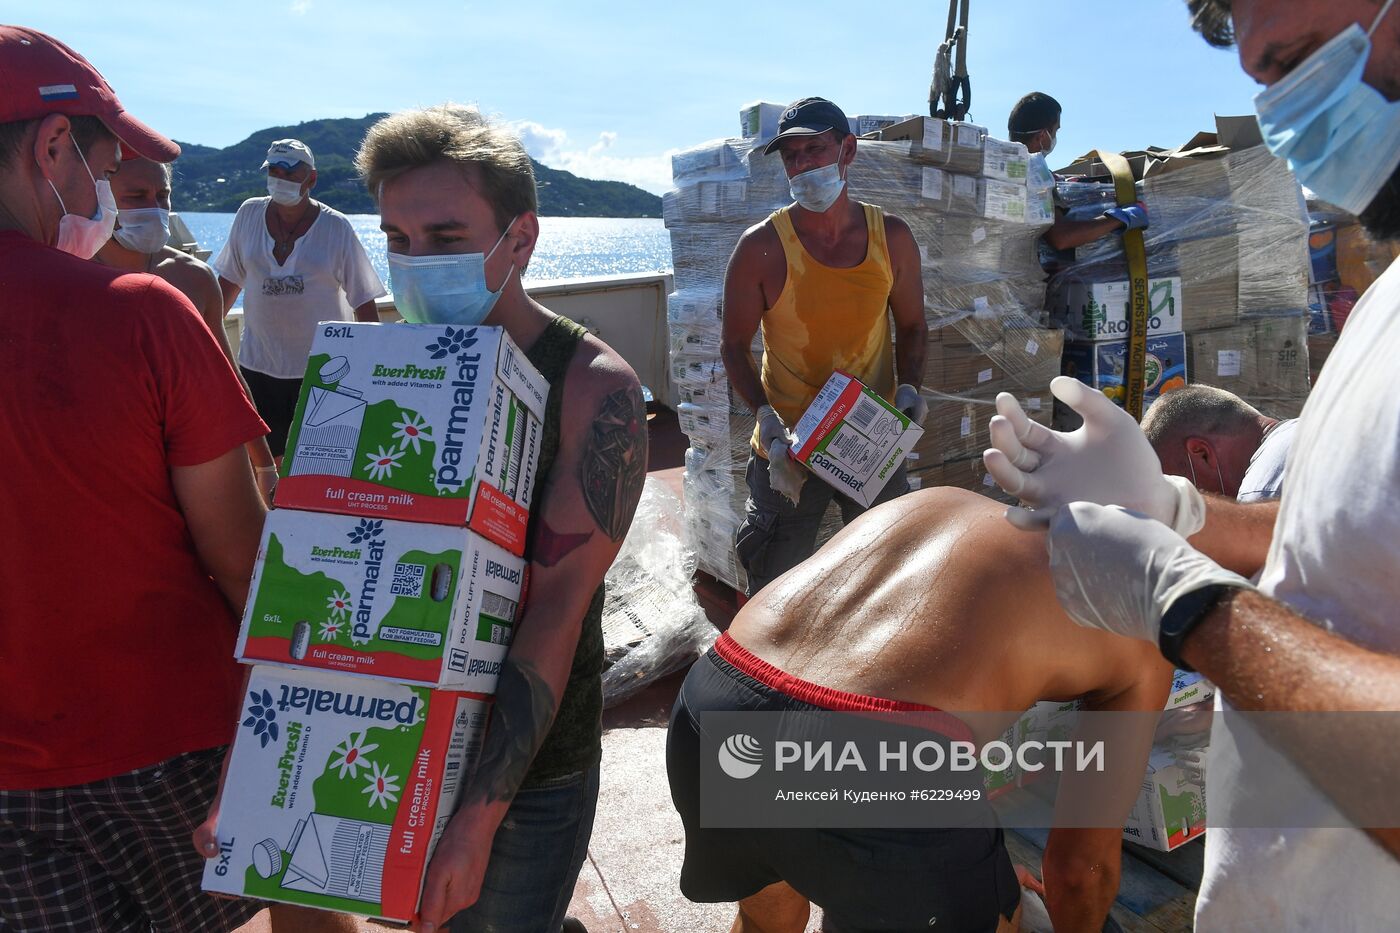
[[132, 523]]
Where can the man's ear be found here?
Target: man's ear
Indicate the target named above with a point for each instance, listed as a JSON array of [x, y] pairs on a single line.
[[311, 178], [1198, 448], [52, 138], [525, 233]]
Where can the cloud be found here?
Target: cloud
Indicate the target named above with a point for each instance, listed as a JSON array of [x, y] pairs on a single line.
[[553, 147], [299, 7]]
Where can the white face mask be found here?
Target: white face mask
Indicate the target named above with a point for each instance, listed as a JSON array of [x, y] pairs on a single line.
[[1050, 146], [817, 189], [143, 229], [445, 289], [283, 191], [84, 236]]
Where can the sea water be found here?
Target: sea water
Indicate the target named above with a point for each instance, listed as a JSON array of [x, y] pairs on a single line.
[[568, 248]]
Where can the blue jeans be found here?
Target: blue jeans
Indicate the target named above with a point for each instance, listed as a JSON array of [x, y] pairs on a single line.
[[535, 858]]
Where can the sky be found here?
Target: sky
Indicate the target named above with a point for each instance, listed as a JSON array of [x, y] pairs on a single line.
[[611, 89]]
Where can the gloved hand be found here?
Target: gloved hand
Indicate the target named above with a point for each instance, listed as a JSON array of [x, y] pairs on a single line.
[[1191, 753], [908, 400], [771, 427], [785, 474], [1107, 460], [1132, 217], [1119, 571]]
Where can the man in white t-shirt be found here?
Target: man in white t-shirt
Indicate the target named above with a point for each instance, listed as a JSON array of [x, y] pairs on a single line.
[[296, 262], [1321, 631]]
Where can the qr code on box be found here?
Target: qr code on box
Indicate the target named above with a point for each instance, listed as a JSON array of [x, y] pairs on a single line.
[[408, 580]]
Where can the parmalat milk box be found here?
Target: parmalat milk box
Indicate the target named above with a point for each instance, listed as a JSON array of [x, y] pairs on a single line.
[[424, 422], [428, 604], [852, 438], [339, 788]]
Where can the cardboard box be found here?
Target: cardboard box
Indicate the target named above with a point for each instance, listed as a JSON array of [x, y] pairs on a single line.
[[1005, 161], [759, 120], [421, 422], [1100, 310], [427, 604], [1102, 365], [1170, 809], [1262, 357], [852, 438], [338, 790], [931, 138], [866, 124]]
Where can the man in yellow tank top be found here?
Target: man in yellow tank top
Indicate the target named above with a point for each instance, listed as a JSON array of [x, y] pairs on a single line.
[[822, 277]]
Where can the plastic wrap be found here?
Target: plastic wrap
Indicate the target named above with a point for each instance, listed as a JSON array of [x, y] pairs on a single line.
[[977, 221], [1227, 262], [652, 623]]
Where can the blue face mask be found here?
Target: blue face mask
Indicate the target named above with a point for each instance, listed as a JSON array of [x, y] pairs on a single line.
[[446, 289], [1340, 136], [817, 189]]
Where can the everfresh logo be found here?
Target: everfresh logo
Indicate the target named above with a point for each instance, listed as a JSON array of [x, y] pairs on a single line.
[[354, 705], [339, 553], [410, 371]]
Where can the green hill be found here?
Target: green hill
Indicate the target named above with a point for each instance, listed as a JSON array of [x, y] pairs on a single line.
[[210, 179]]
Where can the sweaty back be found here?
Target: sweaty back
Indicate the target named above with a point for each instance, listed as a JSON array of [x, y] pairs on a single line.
[[921, 600]]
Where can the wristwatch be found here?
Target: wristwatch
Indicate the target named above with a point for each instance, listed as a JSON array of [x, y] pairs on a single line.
[[1182, 617]]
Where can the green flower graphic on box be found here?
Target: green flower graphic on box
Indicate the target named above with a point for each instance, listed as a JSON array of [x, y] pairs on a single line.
[[335, 432], [334, 855], [288, 597]]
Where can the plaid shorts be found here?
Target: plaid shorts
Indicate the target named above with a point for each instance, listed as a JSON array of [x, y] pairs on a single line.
[[114, 855]]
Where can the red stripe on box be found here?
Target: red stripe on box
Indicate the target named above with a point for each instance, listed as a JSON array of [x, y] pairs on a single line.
[[314, 493], [500, 518], [385, 664], [407, 857], [842, 407]]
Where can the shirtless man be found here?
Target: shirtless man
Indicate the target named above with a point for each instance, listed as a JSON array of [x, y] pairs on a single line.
[[934, 601], [142, 192]]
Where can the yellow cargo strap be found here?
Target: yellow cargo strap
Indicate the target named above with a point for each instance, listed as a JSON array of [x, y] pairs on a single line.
[[1136, 251]]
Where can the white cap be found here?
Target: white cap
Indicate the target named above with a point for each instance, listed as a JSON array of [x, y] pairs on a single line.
[[288, 152]]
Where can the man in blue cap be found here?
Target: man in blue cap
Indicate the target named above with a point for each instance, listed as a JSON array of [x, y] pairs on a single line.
[[822, 277]]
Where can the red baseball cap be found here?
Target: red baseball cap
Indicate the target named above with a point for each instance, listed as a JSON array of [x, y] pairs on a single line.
[[40, 75]]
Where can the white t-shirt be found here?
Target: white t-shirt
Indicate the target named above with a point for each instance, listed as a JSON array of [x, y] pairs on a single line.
[[327, 276], [1263, 480], [1335, 557]]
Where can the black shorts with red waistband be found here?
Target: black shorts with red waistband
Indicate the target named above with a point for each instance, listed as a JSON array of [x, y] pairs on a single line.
[[863, 879]]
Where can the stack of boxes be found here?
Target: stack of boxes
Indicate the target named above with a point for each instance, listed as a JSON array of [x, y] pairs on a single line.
[[977, 207], [720, 192], [386, 589], [1171, 805], [1227, 263]]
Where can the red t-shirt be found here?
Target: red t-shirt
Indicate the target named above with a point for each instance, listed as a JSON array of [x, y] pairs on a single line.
[[116, 647]]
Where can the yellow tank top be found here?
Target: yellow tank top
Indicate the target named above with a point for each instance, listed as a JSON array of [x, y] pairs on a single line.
[[827, 319]]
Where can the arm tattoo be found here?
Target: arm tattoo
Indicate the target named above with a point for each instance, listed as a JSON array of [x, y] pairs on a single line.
[[520, 720], [553, 546], [614, 463]]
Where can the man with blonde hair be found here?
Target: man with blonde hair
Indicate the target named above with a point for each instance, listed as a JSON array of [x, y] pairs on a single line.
[[457, 200]]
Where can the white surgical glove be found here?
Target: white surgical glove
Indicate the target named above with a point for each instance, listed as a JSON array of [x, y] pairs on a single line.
[[908, 400], [1108, 460], [785, 474], [1119, 571], [771, 427]]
